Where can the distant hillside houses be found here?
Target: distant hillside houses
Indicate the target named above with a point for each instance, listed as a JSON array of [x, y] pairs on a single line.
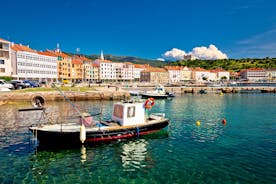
[[22, 62]]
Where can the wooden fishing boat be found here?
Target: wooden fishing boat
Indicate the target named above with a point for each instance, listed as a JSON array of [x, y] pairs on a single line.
[[129, 119]]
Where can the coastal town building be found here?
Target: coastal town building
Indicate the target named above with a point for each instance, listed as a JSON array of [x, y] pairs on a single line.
[[107, 70], [64, 67], [253, 74], [137, 69], [87, 71], [271, 75], [77, 69], [5, 58], [200, 74], [185, 74], [219, 74], [155, 75], [174, 73], [124, 71], [30, 64]]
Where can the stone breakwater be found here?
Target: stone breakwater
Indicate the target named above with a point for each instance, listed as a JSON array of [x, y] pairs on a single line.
[[237, 89], [56, 96]]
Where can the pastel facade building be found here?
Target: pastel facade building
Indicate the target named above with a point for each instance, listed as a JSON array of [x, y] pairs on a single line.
[[219, 74], [174, 73], [254, 74], [77, 69], [271, 75], [200, 74], [137, 69], [124, 71], [5, 58], [155, 75], [30, 64], [185, 74], [96, 69], [64, 66]]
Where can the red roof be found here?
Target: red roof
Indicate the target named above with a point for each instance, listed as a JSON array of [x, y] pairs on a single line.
[[198, 69], [45, 53], [217, 70], [173, 67], [19, 47], [153, 69], [140, 66], [76, 61]]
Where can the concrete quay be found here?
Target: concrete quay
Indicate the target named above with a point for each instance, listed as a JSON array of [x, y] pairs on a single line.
[[56, 96], [236, 89]]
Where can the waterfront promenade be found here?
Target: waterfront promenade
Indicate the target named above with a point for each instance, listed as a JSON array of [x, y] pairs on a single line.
[[108, 92]]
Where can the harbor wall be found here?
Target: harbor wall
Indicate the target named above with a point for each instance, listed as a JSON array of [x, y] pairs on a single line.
[[56, 96], [236, 89]]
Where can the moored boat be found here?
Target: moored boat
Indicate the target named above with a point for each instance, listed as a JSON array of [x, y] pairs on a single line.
[[129, 119], [159, 92]]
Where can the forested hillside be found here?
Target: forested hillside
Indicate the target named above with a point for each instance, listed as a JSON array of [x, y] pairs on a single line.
[[230, 64]]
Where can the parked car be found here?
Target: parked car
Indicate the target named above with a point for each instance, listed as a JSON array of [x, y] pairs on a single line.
[[4, 84], [30, 84], [36, 83], [18, 84]]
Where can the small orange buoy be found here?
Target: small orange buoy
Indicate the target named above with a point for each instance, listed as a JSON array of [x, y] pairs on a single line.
[[223, 121]]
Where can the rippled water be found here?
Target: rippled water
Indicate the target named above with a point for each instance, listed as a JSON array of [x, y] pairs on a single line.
[[242, 151]]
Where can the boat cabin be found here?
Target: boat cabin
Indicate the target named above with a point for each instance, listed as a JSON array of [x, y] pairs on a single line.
[[128, 113], [159, 90]]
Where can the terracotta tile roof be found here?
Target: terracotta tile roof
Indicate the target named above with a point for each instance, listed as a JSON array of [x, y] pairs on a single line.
[[140, 66], [217, 70], [76, 61], [173, 67], [84, 58], [153, 69], [102, 61], [198, 69], [47, 53], [95, 65], [19, 47], [253, 69]]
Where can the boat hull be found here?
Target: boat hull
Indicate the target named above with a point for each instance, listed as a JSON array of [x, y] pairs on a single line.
[[154, 96], [50, 138]]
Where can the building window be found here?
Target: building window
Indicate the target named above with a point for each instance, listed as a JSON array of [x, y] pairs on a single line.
[[2, 61], [2, 70]]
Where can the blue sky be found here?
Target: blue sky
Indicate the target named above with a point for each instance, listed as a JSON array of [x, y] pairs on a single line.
[[143, 28]]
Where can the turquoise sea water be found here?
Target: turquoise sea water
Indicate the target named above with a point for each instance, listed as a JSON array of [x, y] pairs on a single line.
[[242, 151]]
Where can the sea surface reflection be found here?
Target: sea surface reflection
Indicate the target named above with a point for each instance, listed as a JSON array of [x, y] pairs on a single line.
[[242, 151]]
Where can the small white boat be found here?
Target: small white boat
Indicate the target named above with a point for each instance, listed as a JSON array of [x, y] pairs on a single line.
[[134, 93], [159, 92]]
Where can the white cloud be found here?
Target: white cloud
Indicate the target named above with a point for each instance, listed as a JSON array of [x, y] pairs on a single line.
[[210, 53], [160, 59], [174, 54], [204, 53]]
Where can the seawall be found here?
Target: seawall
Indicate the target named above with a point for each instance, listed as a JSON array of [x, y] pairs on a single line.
[[236, 89], [56, 96]]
